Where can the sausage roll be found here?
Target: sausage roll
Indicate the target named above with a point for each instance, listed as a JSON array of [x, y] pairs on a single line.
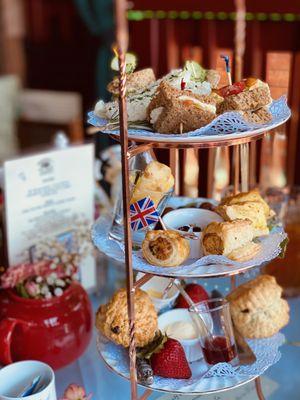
[[231, 239], [165, 248]]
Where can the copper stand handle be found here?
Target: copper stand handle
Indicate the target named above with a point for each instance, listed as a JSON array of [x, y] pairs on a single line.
[[146, 394], [258, 388]]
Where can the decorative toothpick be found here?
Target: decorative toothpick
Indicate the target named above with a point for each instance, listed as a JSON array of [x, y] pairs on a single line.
[[227, 67]]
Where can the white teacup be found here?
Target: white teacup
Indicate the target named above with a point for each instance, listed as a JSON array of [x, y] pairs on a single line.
[[16, 377], [196, 216]]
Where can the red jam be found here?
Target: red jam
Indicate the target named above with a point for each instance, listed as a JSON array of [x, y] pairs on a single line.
[[218, 350]]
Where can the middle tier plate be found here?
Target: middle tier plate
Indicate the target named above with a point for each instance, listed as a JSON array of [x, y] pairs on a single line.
[[215, 266]]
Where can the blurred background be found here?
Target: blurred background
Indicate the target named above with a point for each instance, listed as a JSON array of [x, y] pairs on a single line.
[[55, 64]]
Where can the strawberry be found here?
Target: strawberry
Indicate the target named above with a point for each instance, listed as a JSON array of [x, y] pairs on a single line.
[[196, 292], [170, 361]]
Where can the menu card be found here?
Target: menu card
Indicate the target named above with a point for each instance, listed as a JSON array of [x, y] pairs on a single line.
[[49, 202]]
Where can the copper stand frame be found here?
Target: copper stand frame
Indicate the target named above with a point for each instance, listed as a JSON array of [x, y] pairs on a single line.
[[241, 174], [241, 147]]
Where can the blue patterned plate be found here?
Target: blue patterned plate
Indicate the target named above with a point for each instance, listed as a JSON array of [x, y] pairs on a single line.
[[219, 378], [227, 126], [205, 267]]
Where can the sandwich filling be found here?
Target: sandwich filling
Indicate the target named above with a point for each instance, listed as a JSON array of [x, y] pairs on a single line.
[[187, 101], [155, 114]]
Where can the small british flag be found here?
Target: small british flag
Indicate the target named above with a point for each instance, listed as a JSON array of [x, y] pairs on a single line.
[[143, 213]]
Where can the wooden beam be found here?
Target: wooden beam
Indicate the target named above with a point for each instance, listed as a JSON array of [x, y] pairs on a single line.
[[12, 32]]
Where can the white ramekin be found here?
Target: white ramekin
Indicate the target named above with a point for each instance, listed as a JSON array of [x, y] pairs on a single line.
[[185, 216], [159, 284], [191, 347]]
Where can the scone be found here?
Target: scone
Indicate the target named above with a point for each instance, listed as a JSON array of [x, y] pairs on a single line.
[[257, 309], [165, 248], [252, 195], [112, 319], [251, 210], [155, 181], [231, 239]]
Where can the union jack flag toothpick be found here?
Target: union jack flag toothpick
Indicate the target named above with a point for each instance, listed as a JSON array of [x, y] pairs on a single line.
[[143, 213]]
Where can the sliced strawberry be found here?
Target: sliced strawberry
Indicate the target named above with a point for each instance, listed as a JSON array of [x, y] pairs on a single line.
[[196, 292], [230, 90], [170, 361]]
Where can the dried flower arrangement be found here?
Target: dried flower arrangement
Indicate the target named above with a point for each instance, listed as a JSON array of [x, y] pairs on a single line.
[[55, 268], [43, 279]]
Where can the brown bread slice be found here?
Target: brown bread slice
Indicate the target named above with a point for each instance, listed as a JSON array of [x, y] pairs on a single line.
[[136, 81], [260, 116], [249, 100], [177, 113]]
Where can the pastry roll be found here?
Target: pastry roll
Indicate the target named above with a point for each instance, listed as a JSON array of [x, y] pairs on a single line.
[[231, 239], [252, 195], [165, 248], [155, 180], [257, 309], [251, 210], [245, 253]]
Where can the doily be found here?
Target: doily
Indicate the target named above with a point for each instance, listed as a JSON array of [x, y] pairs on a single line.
[[226, 123]]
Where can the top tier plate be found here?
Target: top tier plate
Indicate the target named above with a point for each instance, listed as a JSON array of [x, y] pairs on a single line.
[[228, 127]]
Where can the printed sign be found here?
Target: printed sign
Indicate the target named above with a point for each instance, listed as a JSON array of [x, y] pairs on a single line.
[[49, 205]]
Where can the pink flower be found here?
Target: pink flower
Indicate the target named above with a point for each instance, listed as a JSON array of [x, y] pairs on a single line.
[[13, 276], [18, 274], [32, 289], [75, 392]]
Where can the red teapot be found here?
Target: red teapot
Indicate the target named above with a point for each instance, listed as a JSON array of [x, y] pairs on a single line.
[[56, 331]]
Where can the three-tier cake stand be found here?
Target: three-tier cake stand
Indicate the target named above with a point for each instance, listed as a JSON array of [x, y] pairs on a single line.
[[240, 145]]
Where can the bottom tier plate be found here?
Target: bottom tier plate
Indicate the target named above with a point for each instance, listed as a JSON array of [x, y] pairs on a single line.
[[116, 358]]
